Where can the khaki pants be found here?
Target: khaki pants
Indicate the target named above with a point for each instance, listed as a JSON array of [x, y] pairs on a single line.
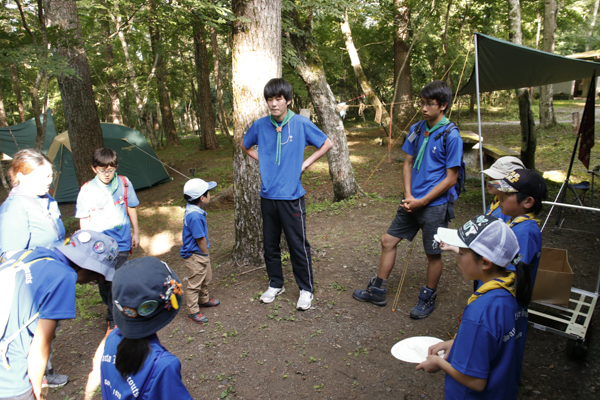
[[200, 275]]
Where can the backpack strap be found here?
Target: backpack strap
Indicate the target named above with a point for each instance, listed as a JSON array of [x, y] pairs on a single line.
[[5, 342], [147, 381], [126, 189], [418, 130]]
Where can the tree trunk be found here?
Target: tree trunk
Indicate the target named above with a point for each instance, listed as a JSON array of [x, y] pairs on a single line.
[[592, 25], [360, 74], [218, 83], [447, 61], [17, 89], [403, 109], [81, 114], [528, 139], [205, 105], [528, 134], [3, 121], [310, 69], [164, 99], [547, 117], [256, 47], [115, 116]]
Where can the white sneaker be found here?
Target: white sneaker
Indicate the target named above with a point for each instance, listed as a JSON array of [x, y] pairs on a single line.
[[305, 300], [270, 294]]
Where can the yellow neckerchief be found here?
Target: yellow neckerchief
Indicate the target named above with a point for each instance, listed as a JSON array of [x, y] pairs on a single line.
[[494, 205], [512, 222], [507, 283]]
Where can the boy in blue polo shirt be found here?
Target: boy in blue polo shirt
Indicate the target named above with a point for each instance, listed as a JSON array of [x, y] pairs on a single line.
[[433, 158], [281, 138], [194, 250], [107, 204]]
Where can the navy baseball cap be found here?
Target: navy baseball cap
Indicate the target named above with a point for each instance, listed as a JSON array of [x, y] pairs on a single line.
[[93, 251], [523, 180], [146, 296]]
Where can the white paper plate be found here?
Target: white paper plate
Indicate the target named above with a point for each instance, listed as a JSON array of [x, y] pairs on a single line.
[[414, 349]]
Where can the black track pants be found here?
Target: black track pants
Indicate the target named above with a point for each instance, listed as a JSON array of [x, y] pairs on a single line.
[[289, 215]]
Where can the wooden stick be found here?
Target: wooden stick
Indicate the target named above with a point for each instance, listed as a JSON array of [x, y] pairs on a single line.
[[253, 269], [412, 246]]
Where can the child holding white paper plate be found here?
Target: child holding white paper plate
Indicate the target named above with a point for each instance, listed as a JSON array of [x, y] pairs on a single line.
[[483, 360]]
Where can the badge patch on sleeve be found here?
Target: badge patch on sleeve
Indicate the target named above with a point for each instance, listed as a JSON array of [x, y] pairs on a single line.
[[99, 247]]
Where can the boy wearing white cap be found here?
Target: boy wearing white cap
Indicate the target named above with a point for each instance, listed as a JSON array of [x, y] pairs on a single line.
[[194, 250], [498, 170], [484, 360]]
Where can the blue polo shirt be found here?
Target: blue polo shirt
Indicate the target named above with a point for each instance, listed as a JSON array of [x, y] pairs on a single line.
[[282, 182], [194, 227], [436, 160], [488, 345], [107, 211], [164, 383], [27, 222], [47, 287]]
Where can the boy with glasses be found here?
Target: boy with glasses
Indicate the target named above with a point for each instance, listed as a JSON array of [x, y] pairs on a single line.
[[107, 204], [433, 158]]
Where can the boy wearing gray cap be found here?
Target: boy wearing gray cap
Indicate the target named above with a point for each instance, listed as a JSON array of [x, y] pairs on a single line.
[[194, 250], [39, 292]]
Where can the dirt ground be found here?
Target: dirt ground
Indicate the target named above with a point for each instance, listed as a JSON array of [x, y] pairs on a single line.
[[340, 348]]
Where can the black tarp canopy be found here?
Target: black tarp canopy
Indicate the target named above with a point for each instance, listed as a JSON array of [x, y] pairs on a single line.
[[504, 65]]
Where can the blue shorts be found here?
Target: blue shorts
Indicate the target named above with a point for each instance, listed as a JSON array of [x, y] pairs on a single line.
[[407, 224]]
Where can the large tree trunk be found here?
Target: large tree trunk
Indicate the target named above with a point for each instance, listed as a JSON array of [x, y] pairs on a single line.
[[256, 60], [204, 95], [164, 99], [528, 136], [547, 117], [17, 89], [360, 74], [3, 121], [403, 109], [218, 83], [113, 90], [310, 69], [81, 114]]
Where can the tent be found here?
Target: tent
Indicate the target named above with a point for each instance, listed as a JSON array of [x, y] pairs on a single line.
[[502, 65], [137, 160]]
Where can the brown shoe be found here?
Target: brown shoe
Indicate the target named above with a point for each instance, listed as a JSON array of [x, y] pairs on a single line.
[[210, 303], [111, 326], [198, 318]]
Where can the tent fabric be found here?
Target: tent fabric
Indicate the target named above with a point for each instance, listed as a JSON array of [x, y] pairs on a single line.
[[142, 170], [504, 65]]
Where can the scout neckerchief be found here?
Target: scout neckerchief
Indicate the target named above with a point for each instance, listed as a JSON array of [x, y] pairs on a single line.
[[114, 183], [507, 283], [512, 222], [494, 205], [279, 127], [419, 159]]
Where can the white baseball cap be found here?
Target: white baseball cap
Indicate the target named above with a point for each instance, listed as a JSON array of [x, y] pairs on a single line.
[[503, 166], [487, 236], [194, 188]]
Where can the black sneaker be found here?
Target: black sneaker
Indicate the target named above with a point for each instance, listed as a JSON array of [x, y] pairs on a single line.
[[425, 305], [52, 380]]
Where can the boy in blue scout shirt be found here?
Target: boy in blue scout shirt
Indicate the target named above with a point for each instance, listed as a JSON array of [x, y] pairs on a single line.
[[484, 360], [44, 293], [433, 159], [281, 138], [107, 204], [194, 250], [146, 295], [498, 170]]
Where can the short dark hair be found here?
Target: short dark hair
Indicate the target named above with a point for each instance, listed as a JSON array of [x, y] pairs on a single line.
[[278, 87], [105, 158], [439, 91], [196, 200]]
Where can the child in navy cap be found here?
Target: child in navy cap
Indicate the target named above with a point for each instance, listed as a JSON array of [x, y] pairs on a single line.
[[146, 294], [194, 250]]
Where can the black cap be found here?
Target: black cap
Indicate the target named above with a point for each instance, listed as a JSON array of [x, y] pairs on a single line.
[[523, 180]]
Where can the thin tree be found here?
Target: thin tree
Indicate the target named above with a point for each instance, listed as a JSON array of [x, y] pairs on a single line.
[[164, 98], [205, 106], [403, 109], [17, 90], [113, 90], [218, 83], [310, 69], [547, 117], [3, 121], [256, 59], [590, 33], [81, 114]]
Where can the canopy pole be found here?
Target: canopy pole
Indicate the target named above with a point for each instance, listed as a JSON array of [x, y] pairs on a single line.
[[479, 123]]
